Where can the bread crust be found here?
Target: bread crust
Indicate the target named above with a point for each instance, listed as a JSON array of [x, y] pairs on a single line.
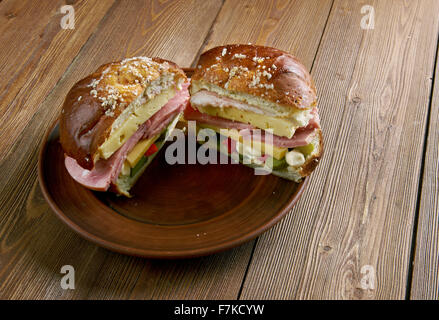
[[312, 162], [266, 72], [95, 102]]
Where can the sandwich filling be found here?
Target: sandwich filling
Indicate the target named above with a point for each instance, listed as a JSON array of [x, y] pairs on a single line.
[[131, 156], [294, 139]]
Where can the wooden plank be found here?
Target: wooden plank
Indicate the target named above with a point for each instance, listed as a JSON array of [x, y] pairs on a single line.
[[358, 212], [293, 26], [425, 281], [35, 53], [41, 240]]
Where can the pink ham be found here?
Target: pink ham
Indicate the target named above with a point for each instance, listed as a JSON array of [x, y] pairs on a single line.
[[104, 171], [302, 136], [107, 171]]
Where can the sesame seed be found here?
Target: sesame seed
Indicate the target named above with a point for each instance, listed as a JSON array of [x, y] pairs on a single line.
[[109, 113], [223, 53], [267, 74], [93, 83], [239, 55]]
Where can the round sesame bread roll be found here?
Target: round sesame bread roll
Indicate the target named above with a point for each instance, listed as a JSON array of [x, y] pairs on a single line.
[[98, 104], [277, 78], [114, 121], [261, 88]]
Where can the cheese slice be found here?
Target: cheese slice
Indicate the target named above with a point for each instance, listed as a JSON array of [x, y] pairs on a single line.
[[274, 151], [281, 126], [129, 121], [139, 150]]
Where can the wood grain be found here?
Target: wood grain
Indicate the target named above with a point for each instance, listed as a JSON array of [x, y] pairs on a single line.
[[425, 281], [35, 53], [359, 210], [293, 26]]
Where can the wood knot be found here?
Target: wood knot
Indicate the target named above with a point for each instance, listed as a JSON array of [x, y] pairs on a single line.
[[325, 249], [356, 100]]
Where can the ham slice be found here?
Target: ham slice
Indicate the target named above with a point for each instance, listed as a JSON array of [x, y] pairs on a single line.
[[107, 171], [302, 136], [204, 97], [104, 171]]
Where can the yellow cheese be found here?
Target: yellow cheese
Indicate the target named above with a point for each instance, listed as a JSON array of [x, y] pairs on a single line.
[[274, 151], [281, 126], [133, 116], [126, 169], [139, 150]]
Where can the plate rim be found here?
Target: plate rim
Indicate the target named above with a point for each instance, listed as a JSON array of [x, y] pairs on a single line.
[[155, 254]]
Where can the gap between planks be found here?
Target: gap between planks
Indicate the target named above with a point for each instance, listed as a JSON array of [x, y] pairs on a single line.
[[421, 177]]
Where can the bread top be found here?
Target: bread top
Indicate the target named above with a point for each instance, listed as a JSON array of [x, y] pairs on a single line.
[[94, 103], [265, 72]]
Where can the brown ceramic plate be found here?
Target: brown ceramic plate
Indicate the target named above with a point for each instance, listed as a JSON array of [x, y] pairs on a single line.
[[177, 210]]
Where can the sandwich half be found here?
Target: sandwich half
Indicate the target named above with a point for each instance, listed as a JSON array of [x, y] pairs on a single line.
[[262, 95], [115, 121]]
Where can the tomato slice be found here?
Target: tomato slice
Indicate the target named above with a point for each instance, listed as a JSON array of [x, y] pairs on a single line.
[[229, 143], [152, 149]]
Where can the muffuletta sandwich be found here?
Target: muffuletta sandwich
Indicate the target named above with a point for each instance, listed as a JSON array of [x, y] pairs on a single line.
[[115, 121], [262, 95]]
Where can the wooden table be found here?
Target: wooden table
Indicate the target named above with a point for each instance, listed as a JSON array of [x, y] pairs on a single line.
[[372, 204]]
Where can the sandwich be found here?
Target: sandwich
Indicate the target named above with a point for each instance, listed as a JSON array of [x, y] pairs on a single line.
[[114, 122], [262, 95]]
